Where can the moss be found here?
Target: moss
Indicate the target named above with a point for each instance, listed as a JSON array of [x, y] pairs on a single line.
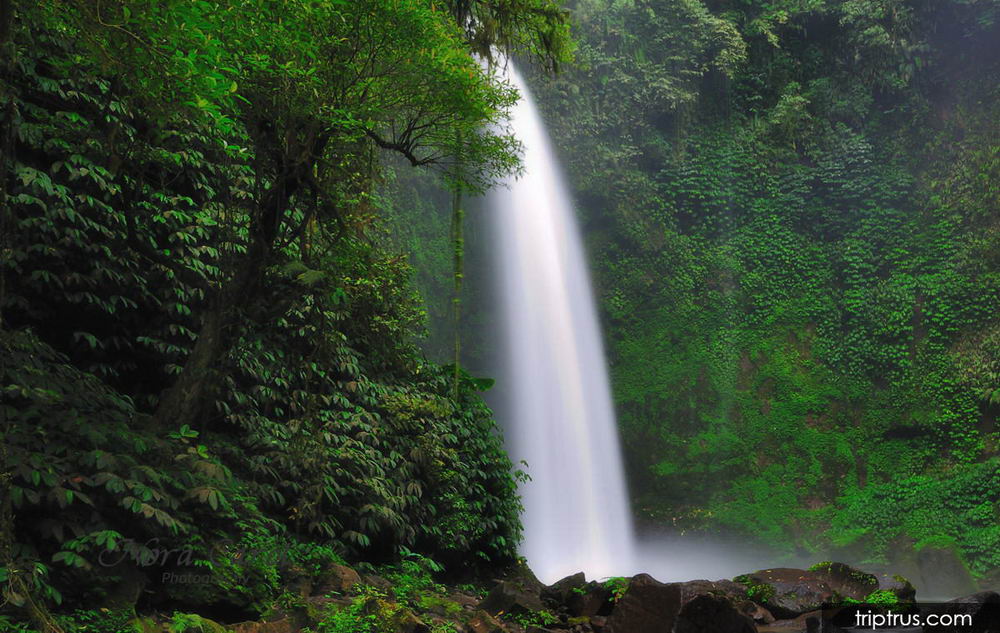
[[145, 625], [756, 591], [438, 604], [883, 597]]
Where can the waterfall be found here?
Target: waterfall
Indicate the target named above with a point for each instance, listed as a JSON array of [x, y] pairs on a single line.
[[557, 410]]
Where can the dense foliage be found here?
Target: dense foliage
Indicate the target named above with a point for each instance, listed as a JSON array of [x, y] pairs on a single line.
[[208, 359], [793, 212]]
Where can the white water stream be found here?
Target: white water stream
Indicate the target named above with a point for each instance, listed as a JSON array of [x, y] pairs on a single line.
[[560, 418]]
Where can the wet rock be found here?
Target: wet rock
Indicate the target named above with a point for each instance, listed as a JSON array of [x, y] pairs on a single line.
[[508, 596], [648, 606], [466, 601], [734, 593], [712, 613], [699, 606], [298, 581], [336, 579], [787, 592], [319, 604], [522, 576], [805, 623], [376, 581], [758, 614], [483, 622], [599, 623], [589, 600], [407, 622], [983, 606], [898, 585], [283, 625], [561, 591], [979, 598], [846, 581]]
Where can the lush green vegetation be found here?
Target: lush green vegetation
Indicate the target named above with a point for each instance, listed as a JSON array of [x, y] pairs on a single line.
[[792, 209], [208, 356], [792, 215], [209, 337]]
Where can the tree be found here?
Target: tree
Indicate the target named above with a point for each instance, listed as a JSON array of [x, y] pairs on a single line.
[[310, 88]]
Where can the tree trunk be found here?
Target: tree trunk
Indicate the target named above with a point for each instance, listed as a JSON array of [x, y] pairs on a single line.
[[183, 402]]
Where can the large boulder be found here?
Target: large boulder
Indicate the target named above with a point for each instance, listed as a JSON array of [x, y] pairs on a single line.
[[509, 596], [336, 579], [648, 606], [788, 593], [734, 593], [700, 606], [846, 581], [898, 585], [405, 621], [282, 625], [983, 606], [712, 613], [590, 600], [560, 592], [483, 622]]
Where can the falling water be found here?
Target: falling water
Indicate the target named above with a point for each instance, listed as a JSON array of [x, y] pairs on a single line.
[[559, 417]]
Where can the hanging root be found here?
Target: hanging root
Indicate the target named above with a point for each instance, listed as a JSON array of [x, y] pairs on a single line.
[[19, 593]]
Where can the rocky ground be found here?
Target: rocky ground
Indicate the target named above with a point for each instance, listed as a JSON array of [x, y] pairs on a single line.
[[785, 600]]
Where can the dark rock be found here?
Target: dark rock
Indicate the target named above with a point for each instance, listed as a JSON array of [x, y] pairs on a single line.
[[734, 592], [508, 596], [522, 576], [466, 601], [980, 598], [589, 600], [983, 606], [407, 622], [318, 604], [943, 574], [699, 606], [336, 579], [712, 613], [560, 592], [648, 606], [376, 581], [846, 581], [898, 585], [284, 625], [483, 622], [805, 623], [788, 593], [298, 581], [599, 623], [758, 614]]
